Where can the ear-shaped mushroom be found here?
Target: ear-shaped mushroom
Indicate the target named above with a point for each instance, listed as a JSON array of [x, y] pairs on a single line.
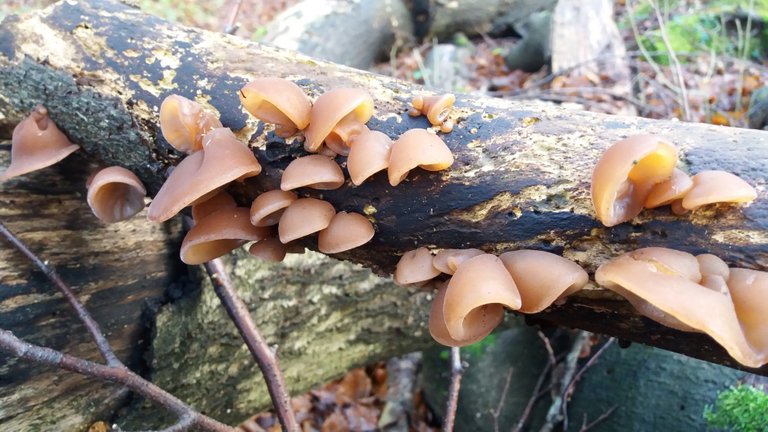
[[115, 194], [542, 277], [219, 233], [313, 171], [448, 260], [304, 217], [269, 249], [267, 208], [625, 174], [218, 201], [36, 143], [417, 148], [337, 116], [346, 231], [277, 101], [183, 123], [478, 283], [415, 267], [489, 315], [222, 160], [368, 154], [436, 108], [749, 290], [678, 298], [711, 187], [669, 190]]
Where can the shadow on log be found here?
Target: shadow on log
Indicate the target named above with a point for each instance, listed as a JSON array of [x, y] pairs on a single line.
[[521, 177]]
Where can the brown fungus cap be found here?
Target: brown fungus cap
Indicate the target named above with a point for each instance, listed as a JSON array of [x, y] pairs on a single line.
[[218, 234], [417, 148], [711, 187], [478, 282], [368, 155], [222, 160], [304, 217], [542, 277], [749, 290], [313, 171], [436, 108], [481, 322], [669, 190], [346, 231], [338, 115], [625, 174], [278, 101], [183, 123], [678, 298], [448, 260], [269, 249], [115, 194], [267, 208], [218, 201], [36, 143], [414, 267]]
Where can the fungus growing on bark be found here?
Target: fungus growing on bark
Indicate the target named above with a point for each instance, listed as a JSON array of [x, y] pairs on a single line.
[[711, 187], [36, 143], [278, 101], [475, 298], [542, 278], [749, 291], [368, 154], [448, 260], [417, 148], [664, 285], [625, 174], [268, 207], [415, 267], [220, 200], [183, 123], [672, 189], [304, 217], [219, 233], [313, 171], [346, 231], [437, 109], [115, 194], [337, 116], [222, 160], [269, 249]]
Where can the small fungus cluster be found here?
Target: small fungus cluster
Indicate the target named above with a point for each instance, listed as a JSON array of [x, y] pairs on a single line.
[[114, 193], [470, 304], [334, 125], [437, 108], [640, 172], [696, 293]]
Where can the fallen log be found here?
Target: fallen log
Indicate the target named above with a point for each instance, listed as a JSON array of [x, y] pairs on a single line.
[[521, 178]]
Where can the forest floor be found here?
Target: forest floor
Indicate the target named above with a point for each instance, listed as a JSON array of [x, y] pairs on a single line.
[[721, 63]]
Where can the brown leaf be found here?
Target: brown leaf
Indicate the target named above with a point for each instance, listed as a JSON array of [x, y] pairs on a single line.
[[355, 385], [335, 423]]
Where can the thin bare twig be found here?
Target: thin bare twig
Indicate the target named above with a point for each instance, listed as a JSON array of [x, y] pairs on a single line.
[[114, 371], [231, 24], [120, 374], [69, 294], [585, 427], [265, 358], [555, 412], [548, 347], [495, 413], [536, 393], [677, 68], [457, 370], [588, 365]]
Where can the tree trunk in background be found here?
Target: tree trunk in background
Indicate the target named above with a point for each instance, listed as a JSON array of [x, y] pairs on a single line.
[[357, 33], [521, 179]]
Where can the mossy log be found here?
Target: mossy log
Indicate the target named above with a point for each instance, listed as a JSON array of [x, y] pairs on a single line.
[[521, 177]]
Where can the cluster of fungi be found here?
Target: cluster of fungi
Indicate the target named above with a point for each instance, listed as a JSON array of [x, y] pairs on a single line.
[[690, 293]]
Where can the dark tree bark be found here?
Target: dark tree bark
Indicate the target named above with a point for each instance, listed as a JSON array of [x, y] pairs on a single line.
[[521, 177]]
